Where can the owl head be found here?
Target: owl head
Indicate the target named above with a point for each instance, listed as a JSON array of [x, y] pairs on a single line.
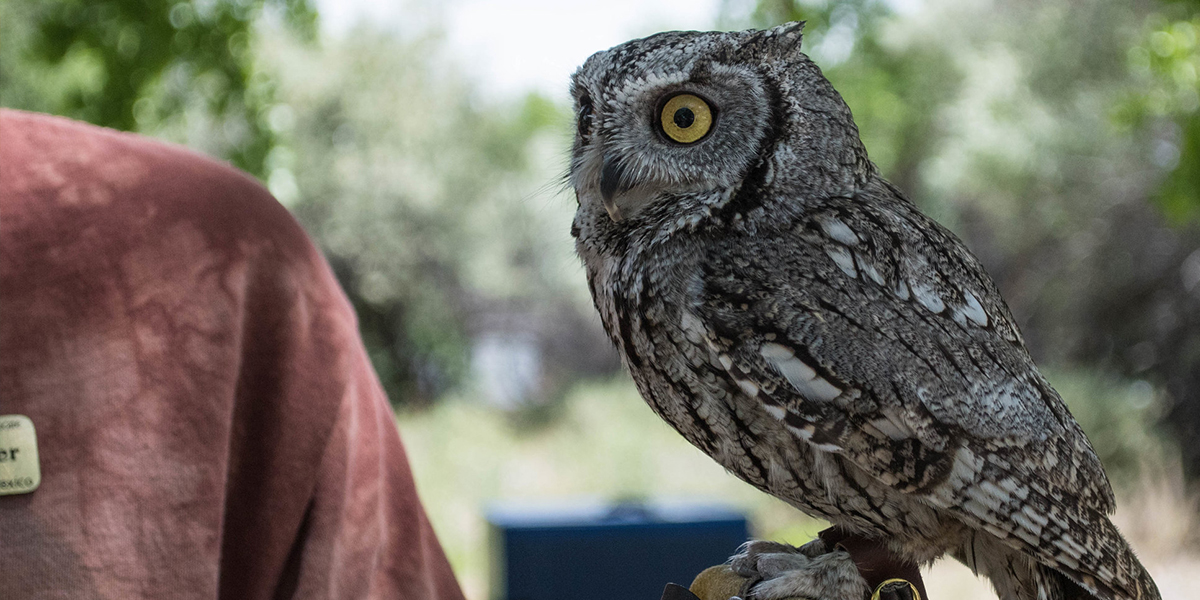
[[677, 127]]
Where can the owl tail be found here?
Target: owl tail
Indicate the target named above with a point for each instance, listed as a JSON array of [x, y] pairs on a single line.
[[1099, 581], [1053, 585], [1018, 576]]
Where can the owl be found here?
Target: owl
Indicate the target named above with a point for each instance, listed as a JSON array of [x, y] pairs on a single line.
[[797, 318]]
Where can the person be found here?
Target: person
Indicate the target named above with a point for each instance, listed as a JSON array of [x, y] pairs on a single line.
[[207, 423]]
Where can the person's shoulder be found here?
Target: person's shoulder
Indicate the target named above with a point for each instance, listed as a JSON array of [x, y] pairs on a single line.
[[40, 143], [132, 185]]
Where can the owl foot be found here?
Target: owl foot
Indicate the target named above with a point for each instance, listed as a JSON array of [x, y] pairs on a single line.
[[776, 571]]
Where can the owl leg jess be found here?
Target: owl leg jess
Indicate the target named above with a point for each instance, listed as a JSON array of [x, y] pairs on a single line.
[[876, 562]]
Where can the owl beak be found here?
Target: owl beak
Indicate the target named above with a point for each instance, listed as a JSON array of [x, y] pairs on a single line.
[[614, 181]]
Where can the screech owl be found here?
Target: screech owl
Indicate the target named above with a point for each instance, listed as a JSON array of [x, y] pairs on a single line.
[[795, 316]]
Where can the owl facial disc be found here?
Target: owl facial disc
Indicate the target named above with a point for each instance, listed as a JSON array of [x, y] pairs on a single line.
[[669, 137]]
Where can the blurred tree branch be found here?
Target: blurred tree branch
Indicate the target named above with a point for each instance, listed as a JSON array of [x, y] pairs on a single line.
[[1165, 59]]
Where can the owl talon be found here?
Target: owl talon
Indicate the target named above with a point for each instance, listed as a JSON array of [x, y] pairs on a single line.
[[776, 571]]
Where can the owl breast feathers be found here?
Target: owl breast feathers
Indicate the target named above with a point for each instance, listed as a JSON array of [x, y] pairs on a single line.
[[797, 318]]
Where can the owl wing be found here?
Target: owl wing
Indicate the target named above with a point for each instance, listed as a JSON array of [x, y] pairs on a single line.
[[872, 333]]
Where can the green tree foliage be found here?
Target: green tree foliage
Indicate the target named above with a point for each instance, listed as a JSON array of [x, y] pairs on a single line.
[[142, 65], [441, 212], [1166, 59]]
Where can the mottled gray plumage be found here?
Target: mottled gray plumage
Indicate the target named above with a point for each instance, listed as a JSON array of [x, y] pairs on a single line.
[[798, 319]]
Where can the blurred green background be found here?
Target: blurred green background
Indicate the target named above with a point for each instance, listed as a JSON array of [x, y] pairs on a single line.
[[1059, 138]]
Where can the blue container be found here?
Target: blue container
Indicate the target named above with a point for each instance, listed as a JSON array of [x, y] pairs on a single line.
[[613, 552]]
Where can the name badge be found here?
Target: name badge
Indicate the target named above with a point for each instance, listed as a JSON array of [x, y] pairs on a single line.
[[20, 471]]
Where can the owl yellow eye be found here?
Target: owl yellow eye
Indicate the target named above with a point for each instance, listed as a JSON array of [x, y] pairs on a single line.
[[686, 118]]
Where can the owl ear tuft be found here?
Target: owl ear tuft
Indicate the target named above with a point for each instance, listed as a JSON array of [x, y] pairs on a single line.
[[781, 40]]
